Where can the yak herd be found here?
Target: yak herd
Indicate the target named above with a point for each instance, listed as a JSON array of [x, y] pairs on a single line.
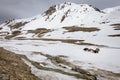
[[92, 50]]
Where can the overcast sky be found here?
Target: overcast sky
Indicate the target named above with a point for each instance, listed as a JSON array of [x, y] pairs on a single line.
[[29, 8]]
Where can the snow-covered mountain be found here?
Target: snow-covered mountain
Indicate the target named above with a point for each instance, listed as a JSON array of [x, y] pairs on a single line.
[[59, 16], [63, 32], [63, 15], [67, 21]]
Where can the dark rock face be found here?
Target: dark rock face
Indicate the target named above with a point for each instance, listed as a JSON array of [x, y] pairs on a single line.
[[13, 68], [17, 25], [50, 11], [96, 9]]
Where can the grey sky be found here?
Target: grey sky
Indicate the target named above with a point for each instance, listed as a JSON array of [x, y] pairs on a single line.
[[28, 8]]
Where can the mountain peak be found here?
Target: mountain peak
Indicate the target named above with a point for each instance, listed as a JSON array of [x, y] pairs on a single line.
[[68, 3], [70, 6], [54, 8], [68, 9]]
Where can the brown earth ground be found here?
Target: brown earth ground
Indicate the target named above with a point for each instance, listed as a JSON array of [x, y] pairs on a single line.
[[12, 67]]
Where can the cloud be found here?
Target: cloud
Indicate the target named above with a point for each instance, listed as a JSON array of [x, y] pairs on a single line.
[[5, 15]]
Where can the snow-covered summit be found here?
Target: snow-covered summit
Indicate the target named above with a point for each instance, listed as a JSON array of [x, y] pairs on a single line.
[[67, 14], [70, 10], [71, 7], [113, 9]]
